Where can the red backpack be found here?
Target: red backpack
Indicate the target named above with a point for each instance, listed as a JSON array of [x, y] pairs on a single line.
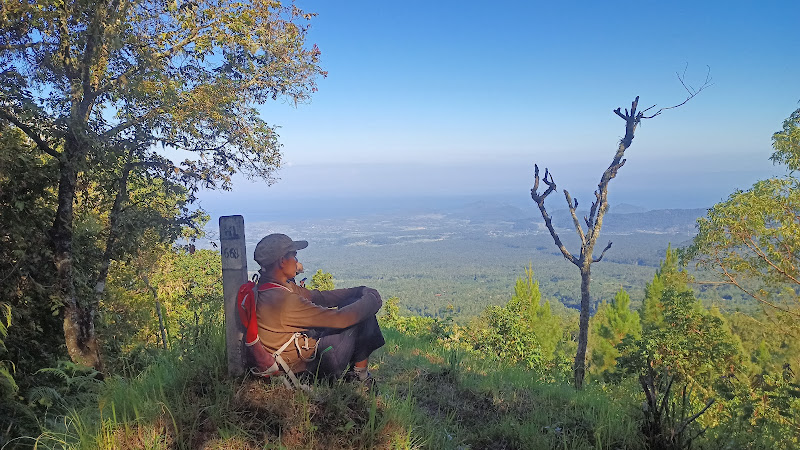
[[261, 362]]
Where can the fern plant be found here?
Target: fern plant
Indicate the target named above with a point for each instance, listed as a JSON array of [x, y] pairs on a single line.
[[8, 387], [70, 386]]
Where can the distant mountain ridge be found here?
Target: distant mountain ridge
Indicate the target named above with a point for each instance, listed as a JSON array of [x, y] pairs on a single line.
[[421, 222], [484, 211], [626, 208], [657, 220], [622, 218]]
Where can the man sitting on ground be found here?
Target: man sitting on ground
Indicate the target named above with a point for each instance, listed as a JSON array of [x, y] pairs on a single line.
[[335, 340]]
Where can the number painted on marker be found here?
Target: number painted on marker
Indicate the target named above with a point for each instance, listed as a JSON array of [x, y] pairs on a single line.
[[230, 233]]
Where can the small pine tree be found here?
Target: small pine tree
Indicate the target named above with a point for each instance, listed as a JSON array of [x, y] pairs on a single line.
[[679, 333], [762, 356], [322, 281], [537, 317], [391, 311], [668, 276], [525, 330], [612, 323]]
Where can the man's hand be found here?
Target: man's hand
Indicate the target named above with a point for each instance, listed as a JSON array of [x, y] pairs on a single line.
[[370, 291]]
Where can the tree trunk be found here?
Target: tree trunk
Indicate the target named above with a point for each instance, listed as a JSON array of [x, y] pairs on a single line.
[[113, 233], [158, 310], [579, 366], [79, 331]]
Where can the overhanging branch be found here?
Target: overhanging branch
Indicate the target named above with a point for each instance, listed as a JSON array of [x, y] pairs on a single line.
[[734, 282], [30, 132], [689, 89]]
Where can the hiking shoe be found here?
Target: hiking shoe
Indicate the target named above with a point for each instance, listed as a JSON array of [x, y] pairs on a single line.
[[368, 381]]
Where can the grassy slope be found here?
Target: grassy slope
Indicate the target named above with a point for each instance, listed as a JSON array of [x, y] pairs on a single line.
[[428, 397]]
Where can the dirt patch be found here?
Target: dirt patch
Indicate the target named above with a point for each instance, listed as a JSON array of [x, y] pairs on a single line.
[[441, 396], [336, 416]]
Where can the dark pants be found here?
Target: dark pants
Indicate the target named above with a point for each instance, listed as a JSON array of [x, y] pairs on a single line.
[[337, 350]]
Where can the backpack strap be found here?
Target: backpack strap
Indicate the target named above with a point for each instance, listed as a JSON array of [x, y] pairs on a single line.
[[270, 285], [247, 312], [292, 382], [285, 366]]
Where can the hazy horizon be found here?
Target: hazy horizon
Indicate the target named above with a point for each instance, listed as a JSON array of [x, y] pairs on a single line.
[[319, 191]]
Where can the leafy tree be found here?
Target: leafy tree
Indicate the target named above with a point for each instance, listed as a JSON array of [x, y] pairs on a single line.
[[752, 240], [106, 86], [594, 221], [612, 323], [186, 288], [26, 208], [321, 281], [391, 311], [27, 340], [678, 334], [691, 342], [768, 342]]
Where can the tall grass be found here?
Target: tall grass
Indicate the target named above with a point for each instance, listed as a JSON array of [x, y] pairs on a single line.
[[478, 403], [429, 396], [185, 400]]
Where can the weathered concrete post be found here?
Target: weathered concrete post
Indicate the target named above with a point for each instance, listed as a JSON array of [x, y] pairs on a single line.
[[234, 274]]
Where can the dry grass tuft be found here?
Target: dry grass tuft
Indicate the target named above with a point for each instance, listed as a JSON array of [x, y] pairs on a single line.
[[157, 435]]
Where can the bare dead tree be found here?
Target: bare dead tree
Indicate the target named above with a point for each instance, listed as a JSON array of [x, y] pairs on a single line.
[[594, 222]]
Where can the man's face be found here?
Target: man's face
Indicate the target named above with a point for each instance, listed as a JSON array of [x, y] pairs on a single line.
[[289, 264]]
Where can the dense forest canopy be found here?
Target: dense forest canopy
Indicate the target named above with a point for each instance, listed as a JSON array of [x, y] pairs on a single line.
[[103, 88]]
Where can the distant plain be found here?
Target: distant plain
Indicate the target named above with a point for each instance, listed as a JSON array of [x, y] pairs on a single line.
[[456, 257]]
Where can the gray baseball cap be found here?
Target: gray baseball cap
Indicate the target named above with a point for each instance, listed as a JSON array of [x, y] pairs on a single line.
[[274, 247]]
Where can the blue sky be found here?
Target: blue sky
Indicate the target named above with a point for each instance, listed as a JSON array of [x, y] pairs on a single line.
[[442, 97]]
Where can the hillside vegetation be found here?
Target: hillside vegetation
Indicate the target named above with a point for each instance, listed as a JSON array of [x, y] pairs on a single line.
[[433, 392]]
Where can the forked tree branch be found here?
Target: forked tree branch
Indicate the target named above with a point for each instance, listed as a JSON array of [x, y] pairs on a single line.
[[599, 258], [548, 221], [750, 243], [573, 205], [594, 221], [122, 126], [30, 132], [551, 185], [695, 416], [689, 89]]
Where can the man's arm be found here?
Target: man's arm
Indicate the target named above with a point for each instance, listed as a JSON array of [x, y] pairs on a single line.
[[302, 313], [330, 299]]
